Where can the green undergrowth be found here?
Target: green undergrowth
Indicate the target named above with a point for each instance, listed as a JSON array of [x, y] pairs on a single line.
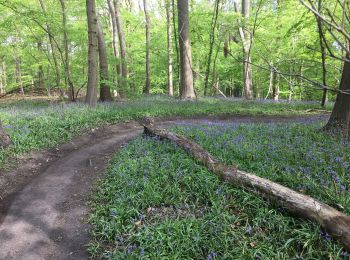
[[35, 125], [158, 203]]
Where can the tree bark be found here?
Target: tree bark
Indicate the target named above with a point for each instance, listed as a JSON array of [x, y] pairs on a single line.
[[176, 41], [339, 122], [2, 83], [91, 95], [53, 50], [331, 220], [211, 45], [275, 85], [121, 45], [68, 81], [185, 51], [148, 46], [40, 75], [170, 49], [105, 90], [114, 37], [18, 74]]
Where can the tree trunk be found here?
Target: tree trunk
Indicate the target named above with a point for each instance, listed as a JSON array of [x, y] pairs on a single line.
[[121, 45], [339, 121], [170, 49], [176, 44], [114, 37], [148, 46], [275, 85], [40, 76], [246, 46], [53, 50], [185, 51], [18, 74], [105, 91], [2, 83], [67, 77], [211, 45], [331, 220], [91, 95]]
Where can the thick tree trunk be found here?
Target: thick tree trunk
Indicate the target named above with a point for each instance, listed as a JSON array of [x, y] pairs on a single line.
[[185, 51], [331, 220], [211, 45], [68, 81], [105, 91], [148, 50], [91, 95], [170, 49], [121, 45], [339, 121]]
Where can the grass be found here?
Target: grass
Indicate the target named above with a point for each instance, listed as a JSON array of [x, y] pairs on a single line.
[[36, 124], [157, 203]]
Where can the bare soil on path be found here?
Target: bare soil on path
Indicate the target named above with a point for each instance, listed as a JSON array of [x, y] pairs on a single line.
[[43, 203]]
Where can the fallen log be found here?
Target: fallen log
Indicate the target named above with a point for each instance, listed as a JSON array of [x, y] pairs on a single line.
[[334, 222]]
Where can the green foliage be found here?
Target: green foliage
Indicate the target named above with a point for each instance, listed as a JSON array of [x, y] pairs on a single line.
[[156, 202]]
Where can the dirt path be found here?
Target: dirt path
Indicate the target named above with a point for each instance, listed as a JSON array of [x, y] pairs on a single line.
[[43, 208]]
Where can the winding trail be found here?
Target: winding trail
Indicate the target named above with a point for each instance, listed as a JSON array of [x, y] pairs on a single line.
[[43, 204]]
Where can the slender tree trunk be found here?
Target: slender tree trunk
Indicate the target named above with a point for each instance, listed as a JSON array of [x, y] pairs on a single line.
[[211, 45], [122, 45], [323, 57], [2, 78], [176, 44], [185, 51], [40, 76], [246, 46], [114, 37], [91, 95], [18, 74], [170, 49], [148, 46], [53, 50], [275, 86], [248, 83], [105, 91], [68, 81], [339, 121]]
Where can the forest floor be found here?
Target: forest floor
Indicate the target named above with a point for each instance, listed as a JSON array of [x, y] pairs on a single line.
[[43, 215], [43, 207]]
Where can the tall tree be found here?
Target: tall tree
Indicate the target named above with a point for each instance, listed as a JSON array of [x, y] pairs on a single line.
[[66, 63], [211, 45], [170, 49], [122, 45], [114, 37], [148, 50], [246, 40], [53, 49], [105, 91], [2, 77], [186, 82], [91, 95]]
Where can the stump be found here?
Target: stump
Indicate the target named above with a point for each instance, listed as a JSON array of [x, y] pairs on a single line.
[[5, 140]]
